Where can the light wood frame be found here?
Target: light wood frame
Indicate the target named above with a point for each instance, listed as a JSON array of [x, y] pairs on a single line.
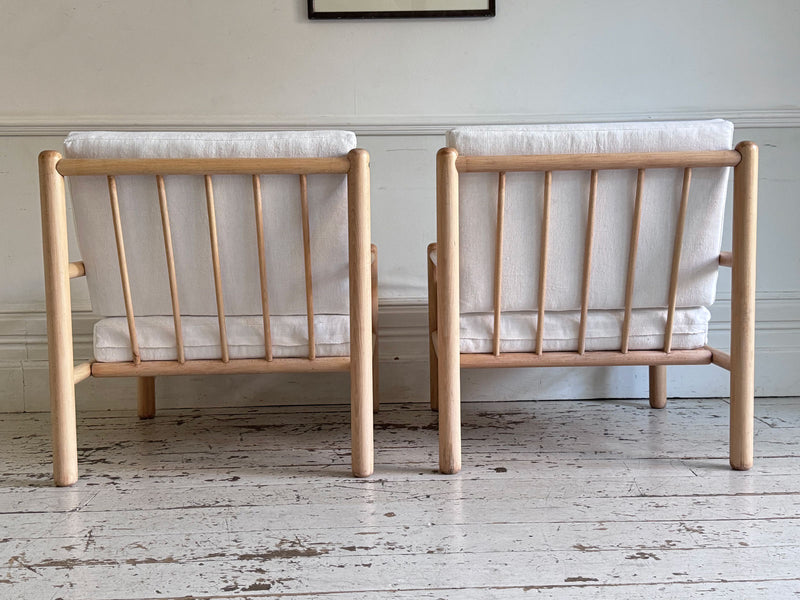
[[446, 361], [64, 374]]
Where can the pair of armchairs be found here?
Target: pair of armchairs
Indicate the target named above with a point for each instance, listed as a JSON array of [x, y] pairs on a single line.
[[250, 253]]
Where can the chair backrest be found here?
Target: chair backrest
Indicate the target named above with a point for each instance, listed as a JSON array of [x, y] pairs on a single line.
[[304, 222], [635, 220]]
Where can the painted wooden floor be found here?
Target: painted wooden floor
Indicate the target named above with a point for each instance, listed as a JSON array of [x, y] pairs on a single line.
[[585, 500]]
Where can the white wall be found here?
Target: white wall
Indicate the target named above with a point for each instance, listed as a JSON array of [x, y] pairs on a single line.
[[206, 64]]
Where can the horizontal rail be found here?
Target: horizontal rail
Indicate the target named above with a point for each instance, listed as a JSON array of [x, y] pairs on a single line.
[[583, 162], [215, 367], [720, 358], [81, 372], [701, 356], [203, 166], [726, 259], [77, 269]]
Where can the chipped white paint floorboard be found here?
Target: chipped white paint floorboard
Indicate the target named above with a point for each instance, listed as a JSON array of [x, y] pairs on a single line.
[[556, 500]]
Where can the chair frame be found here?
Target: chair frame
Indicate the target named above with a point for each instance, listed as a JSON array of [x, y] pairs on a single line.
[[64, 375], [446, 359]]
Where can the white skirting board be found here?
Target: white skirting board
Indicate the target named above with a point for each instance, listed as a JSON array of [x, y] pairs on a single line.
[[403, 369]]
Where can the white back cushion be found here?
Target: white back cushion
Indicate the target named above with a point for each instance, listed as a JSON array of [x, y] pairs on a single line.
[[233, 195], [613, 217]]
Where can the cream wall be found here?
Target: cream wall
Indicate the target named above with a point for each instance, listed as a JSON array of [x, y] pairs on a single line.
[[203, 64]]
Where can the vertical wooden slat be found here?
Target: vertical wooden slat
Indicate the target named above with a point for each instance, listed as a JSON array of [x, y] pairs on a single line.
[[123, 267], [587, 261], [307, 261], [548, 180], [262, 265], [498, 260], [212, 230], [676, 258], [173, 282], [637, 219]]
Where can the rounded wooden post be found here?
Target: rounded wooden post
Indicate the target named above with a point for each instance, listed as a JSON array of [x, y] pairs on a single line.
[[658, 386], [433, 361], [743, 306], [59, 320], [448, 311], [376, 397], [146, 397], [358, 212]]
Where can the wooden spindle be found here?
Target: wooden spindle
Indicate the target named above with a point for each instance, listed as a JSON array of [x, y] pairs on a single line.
[[637, 219], [262, 265], [173, 281], [498, 260], [676, 259], [587, 261], [307, 260], [212, 230], [548, 180], [123, 268]]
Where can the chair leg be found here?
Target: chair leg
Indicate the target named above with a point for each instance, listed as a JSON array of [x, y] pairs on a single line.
[[146, 397], [59, 320], [447, 320], [433, 361], [361, 404], [658, 386], [449, 415], [376, 398], [64, 430], [743, 306]]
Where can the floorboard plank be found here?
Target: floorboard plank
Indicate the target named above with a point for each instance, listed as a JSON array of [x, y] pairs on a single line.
[[585, 500]]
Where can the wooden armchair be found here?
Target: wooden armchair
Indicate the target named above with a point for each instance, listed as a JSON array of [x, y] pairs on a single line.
[[209, 254], [590, 245]]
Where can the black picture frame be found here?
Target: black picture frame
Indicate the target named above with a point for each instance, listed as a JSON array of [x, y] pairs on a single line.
[[314, 14]]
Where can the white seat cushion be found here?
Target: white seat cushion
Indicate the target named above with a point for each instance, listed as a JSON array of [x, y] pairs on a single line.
[[568, 214], [603, 327], [156, 336], [144, 242]]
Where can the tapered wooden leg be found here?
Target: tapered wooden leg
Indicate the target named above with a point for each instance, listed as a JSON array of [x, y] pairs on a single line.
[[376, 398], [658, 386], [448, 312], [59, 320], [361, 405], [433, 361], [147, 397], [743, 306]]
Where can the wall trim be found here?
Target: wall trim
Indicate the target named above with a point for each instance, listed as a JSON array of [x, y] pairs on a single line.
[[376, 125]]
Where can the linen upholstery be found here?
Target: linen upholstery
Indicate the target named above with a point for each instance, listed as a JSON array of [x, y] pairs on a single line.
[[613, 222], [144, 244], [613, 217]]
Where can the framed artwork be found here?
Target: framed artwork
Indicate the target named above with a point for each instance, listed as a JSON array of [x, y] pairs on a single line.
[[399, 9]]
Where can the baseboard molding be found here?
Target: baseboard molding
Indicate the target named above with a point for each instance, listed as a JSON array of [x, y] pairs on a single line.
[[366, 125], [403, 368]]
